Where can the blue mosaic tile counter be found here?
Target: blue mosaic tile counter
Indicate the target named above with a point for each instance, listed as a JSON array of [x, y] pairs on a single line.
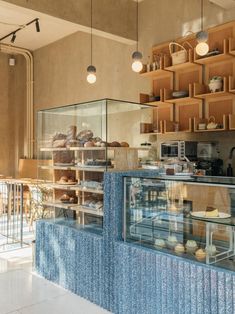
[[126, 278]]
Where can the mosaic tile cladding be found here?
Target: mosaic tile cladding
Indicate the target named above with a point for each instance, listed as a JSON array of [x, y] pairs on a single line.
[[124, 278]]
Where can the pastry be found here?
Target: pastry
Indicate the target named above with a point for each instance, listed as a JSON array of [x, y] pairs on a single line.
[[200, 254], [71, 135], [211, 249], [71, 180], [124, 144], [211, 212], [171, 241], [89, 144], [63, 179], [115, 144], [59, 143], [103, 144], [85, 135], [59, 136], [65, 198], [191, 246], [179, 248], [160, 243]]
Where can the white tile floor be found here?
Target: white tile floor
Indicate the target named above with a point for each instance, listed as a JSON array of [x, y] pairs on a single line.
[[23, 292]]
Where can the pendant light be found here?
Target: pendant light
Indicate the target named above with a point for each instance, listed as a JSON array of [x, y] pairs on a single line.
[[202, 47], [137, 56], [91, 70]]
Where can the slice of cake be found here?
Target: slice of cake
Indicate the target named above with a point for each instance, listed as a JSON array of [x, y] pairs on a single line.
[[211, 212]]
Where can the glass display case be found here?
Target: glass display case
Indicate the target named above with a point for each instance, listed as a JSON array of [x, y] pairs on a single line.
[[192, 217], [77, 144]]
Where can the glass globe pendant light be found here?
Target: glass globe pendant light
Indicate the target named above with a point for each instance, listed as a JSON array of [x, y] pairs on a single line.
[[137, 56], [91, 69], [202, 47]]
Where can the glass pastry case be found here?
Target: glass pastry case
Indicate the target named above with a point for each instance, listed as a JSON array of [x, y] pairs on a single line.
[[77, 144], [191, 217]]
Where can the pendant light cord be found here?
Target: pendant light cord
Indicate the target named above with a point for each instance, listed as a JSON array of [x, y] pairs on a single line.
[[91, 32], [137, 24], [202, 15]]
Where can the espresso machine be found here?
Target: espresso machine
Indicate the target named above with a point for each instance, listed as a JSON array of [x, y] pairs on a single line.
[[207, 159]]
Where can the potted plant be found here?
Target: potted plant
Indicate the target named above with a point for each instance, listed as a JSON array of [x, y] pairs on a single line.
[[216, 84]]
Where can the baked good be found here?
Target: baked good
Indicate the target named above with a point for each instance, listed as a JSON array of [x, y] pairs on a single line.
[[71, 135], [171, 242], [200, 254], [211, 212], [65, 198], [89, 144], [98, 163], [63, 179], [59, 143], [103, 144], [211, 249], [191, 246], [59, 136], [124, 144], [85, 135], [160, 243], [179, 248], [115, 144], [71, 180]]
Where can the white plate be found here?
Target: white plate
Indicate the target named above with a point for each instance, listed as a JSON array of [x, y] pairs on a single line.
[[202, 215]]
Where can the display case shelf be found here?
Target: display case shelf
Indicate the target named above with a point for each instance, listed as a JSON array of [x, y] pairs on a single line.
[[167, 213], [73, 188]]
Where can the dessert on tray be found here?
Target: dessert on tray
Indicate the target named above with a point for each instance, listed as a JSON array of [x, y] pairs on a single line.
[[211, 212]]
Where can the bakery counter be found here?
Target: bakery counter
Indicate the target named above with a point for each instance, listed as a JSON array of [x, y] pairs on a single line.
[[127, 272]]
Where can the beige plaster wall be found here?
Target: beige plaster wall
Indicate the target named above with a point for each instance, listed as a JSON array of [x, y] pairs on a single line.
[[12, 113]]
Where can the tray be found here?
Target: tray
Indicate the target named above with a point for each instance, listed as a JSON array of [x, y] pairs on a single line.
[[201, 214]]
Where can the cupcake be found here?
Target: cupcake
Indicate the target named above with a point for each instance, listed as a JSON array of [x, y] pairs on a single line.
[[211, 249], [171, 242], [200, 254], [179, 248], [191, 246], [159, 243]]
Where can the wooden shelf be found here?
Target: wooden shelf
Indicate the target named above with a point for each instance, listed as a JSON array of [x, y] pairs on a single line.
[[87, 210], [89, 149], [196, 121], [184, 100], [74, 188], [156, 73], [231, 122], [225, 55], [76, 168], [202, 91], [231, 46], [62, 205], [168, 127], [187, 66]]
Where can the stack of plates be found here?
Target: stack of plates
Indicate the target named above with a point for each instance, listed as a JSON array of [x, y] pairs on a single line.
[[180, 94]]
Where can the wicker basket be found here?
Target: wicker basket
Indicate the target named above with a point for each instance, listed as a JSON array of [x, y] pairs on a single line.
[[180, 56]]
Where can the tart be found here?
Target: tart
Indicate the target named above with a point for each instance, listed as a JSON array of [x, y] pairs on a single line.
[[179, 248], [200, 254], [211, 212], [211, 249], [191, 246], [160, 243], [171, 242]]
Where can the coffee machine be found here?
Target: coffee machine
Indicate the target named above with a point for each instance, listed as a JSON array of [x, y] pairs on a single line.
[[207, 159]]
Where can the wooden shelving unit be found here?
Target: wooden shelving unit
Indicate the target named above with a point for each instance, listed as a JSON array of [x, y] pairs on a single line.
[[193, 75], [196, 121]]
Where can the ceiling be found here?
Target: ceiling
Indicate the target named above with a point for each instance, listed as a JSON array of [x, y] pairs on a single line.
[[52, 28]]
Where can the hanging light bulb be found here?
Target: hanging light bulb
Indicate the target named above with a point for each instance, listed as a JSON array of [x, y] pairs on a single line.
[[91, 74], [137, 56], [137, 64], [91, 69], [202, 47]]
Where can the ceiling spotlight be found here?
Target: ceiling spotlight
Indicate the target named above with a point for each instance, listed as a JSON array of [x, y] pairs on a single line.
[[13, 38], [137, 56], [202, 47], [37, 25], [91, 74]]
